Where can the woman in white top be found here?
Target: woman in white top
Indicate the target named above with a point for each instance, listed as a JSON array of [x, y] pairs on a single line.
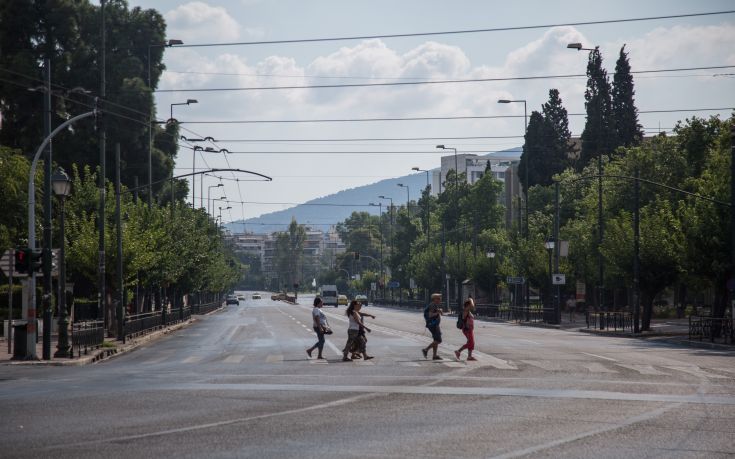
[[320, 325], [353, 330]]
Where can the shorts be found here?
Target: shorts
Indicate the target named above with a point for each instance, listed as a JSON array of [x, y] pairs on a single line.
[[436, 333]]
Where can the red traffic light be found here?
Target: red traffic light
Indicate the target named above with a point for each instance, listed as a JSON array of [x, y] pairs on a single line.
[[21, 260]]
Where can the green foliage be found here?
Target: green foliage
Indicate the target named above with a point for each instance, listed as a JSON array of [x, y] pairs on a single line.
[[599, 130]]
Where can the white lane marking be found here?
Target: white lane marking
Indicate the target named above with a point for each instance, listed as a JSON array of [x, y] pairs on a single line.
[[318, 361], [274, 358], [529, 341], [455, 364], [561, 441], [544, 364], [331, 346], [595, 367], [600, 356], [643, 369], [193, 359], [234, 358], [363, 363], [433, 389], [696, 371], [209, 425], [156, 360], [409, 364]]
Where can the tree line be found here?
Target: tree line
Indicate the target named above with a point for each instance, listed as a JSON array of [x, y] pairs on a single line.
[[166, 245]]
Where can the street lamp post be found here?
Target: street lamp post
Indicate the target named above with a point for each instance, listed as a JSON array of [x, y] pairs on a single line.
[[380, 230], [600, 262], [168, 43], [491, 255], [456, 188], [209, 189], [549, 244], [173, 120], [408, 212], [62, 187], [528, 162], [390, 237], [428, 191]]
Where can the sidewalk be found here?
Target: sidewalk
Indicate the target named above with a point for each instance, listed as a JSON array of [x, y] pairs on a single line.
[[111, 348]]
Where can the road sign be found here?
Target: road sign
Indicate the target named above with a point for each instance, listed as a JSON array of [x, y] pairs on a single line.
[[394, 284], [515, 280], [373, 286], [558, 279]]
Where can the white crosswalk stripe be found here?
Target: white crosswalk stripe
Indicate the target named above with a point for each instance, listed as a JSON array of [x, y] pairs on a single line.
[[596, 367], [193, 359], [643, 369], [234, 358], [548, 365], [274, 358], [696, 371]]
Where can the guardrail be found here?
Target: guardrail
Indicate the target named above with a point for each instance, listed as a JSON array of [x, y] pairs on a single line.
[[610, 320], [711, 328], [89, 334]]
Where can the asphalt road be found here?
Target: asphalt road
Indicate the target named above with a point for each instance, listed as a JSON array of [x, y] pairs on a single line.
[[238, 383]]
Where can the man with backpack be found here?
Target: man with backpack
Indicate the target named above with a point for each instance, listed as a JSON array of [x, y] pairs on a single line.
[[432, 315]]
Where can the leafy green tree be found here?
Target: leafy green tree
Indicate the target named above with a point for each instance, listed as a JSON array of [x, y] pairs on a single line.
[[628, 132], [14, 170]]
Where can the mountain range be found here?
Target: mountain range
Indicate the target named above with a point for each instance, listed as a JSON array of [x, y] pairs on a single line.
[[321, 213]]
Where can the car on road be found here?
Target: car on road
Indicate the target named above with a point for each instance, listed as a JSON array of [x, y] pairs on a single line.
[[240, 297], [232, 299], [342, 300], [362, 299], [255, 296]]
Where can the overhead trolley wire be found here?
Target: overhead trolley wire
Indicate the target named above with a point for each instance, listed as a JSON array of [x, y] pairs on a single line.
[[455, 32]]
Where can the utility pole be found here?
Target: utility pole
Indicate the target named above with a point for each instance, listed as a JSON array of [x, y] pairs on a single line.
[[102, 297], [47, 241]]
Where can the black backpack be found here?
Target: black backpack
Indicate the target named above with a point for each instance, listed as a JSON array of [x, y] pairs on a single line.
[[460, 320]]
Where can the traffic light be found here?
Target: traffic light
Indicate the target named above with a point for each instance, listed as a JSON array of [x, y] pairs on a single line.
[[21, 261], [35, 260], [357, 255]]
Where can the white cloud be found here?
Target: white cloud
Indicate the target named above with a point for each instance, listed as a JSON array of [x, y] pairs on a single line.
[[200, 22]]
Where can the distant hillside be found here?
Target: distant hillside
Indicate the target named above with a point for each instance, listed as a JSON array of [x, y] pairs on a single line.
[[321, 213]]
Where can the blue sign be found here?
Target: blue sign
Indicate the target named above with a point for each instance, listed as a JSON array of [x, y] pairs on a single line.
[[515, 280], [394, 284]]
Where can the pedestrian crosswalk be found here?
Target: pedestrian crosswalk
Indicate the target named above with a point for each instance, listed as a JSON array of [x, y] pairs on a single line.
[[484, 361]]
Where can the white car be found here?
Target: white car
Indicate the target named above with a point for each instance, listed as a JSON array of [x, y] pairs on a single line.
[[255, 296], [362, 299]]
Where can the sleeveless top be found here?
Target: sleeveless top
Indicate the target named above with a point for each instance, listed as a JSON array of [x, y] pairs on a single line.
[[353, 323]]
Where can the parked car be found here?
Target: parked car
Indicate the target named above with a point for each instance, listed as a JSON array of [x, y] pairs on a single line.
[[240, 297], [342, 300], [362, 299], [232, 299], [256, 296]]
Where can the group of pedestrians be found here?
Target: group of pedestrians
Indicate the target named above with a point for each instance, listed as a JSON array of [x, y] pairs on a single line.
[[433, 314], [356, 345]]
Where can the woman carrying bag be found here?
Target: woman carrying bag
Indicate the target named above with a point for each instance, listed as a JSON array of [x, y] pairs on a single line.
[[321, 327], [468, 329]]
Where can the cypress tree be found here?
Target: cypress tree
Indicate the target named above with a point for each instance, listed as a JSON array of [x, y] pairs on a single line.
[[597, 137], [627, 130], [558, 147]]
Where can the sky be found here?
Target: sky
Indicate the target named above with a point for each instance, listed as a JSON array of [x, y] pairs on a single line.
[[297, 155]]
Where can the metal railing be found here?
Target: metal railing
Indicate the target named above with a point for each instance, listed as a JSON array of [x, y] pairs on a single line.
[[140, 324], [610, 321], [712, 329], [89, 334], [205, 308]]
